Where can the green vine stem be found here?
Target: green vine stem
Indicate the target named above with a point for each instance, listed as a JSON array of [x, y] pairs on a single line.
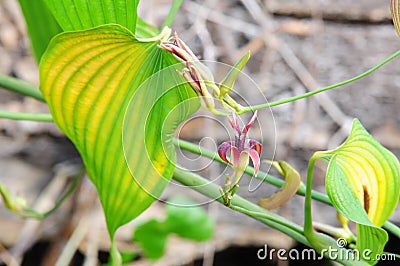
[[172, 13], [211, 190], [188, 146], [27, 89], [30, 213], [244, 206], [26, 116], [395, 230], [392, 228], [308, 94], [21, 87], [308, 228]]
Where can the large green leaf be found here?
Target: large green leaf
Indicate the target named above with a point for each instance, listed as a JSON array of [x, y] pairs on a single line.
[[363, 183], [41, 25], [89, 78], [84, 14]]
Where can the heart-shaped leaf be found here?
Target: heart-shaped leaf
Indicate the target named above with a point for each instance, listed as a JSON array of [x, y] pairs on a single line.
[[363, 183], [84, 14], [88, 79]]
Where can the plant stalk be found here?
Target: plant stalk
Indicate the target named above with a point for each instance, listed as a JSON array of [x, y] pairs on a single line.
[[26, 116], [240, 204], [21, 87], [392, 228]]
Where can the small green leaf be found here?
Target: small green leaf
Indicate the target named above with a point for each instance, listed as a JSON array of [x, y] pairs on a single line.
[[15, 204], [228, 82], [41, 25], [184, 218], [152, 237], [89, 78], [84, 14], [188, 220], [363, 183]]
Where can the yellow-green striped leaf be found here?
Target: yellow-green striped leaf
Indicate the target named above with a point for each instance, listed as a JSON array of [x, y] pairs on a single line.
[[88, 79], [363, 183], [395, 8], [84, 14]]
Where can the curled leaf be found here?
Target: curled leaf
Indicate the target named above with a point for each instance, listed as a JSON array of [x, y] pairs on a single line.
[[363, 183], [371, 171], [287, 191]]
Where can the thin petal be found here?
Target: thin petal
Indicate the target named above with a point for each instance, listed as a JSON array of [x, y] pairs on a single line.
[[255, 158], [223, 150], [234, 123], [254, 145], [250, 123]]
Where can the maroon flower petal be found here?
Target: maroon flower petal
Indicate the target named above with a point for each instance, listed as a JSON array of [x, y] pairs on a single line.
[[224, 148], [254, 145], [234, 123], [250, 123], [255, 157], [235, 156]]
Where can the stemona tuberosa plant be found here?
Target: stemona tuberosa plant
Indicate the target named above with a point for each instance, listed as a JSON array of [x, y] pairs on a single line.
[[119, 87]]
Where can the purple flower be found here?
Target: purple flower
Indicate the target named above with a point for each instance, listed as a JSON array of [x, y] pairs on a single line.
[[241, 149]]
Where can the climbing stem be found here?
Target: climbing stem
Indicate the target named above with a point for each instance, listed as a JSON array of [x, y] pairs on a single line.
[[21, 87], [240, 204], [308, 94], [26, 116], [197, 149]]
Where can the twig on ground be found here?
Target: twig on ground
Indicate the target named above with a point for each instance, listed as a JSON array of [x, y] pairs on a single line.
[[32, 228]]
